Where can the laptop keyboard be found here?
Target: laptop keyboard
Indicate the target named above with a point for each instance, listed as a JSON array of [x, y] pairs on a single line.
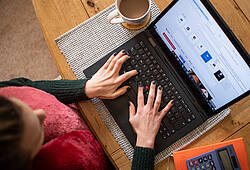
[[148, 70]]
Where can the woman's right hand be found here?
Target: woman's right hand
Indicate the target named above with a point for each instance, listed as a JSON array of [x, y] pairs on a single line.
[[146, 120]]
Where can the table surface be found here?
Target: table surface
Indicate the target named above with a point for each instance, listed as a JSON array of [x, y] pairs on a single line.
[[58, 16]]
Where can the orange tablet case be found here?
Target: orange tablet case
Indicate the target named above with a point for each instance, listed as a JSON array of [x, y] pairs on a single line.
[[180, 157]]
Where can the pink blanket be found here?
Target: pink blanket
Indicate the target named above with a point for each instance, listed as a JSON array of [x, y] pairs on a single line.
[[60, 118]]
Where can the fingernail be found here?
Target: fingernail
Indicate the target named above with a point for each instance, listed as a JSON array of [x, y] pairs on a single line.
[[160, 87], [123, 51], [172, 102], [128, 87], [153, 82]]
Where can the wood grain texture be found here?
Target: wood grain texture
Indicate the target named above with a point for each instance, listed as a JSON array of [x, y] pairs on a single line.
[[243, 133], [244, 6], [236, 20], [93, 7], [58, 16]]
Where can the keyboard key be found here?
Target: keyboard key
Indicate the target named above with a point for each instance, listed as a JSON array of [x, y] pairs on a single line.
[[133, 61], [168, 134], [148, 73], [169, 114], [166, 87], [173, 131], [172, 119], [151, 57], [164, 136], [179, 123], [133, 51], [198, 168], [155, 72], [148, 61], [166, 99], [137, 46], [162, 82], [143, 77], [142, 44], [203, 167], [144, 68], [193, 116], [177, 115], [137, 57], [141, 62], [158, 77], [209, 157], [141, 51], [129, 68], [191, 163], [144, 57], [200, 160], [205, 159]]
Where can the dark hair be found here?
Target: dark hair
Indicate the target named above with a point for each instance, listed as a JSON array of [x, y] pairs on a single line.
[[12, 157]]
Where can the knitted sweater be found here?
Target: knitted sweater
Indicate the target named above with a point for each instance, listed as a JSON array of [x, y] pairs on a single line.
[[71, 91]]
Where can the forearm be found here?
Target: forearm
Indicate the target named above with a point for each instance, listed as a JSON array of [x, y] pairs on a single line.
[[66, 91], [143, 158]]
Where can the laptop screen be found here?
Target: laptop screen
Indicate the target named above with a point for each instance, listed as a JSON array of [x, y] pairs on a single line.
[[205, 53]]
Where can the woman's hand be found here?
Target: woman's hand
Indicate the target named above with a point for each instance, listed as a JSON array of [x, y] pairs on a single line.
[[146, 121], [105, 82]]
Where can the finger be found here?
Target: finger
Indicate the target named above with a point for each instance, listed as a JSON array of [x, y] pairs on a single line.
[[151, 95], [158, 99], [119, 63], [105, 66], [140, 98], [119, 92], [115, 59], [127, 76], [131, 110], [166, 108]]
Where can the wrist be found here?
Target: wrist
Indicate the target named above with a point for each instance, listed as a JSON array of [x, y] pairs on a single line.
[[145, 142], [90, 89]]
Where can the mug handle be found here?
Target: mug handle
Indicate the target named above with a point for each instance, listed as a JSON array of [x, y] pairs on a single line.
[[112, 17]]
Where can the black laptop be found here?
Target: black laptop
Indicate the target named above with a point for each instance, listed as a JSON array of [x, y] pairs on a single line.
[[191, 52]]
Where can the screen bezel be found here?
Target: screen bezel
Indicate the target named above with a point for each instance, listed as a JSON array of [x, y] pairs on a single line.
[[200, 99]]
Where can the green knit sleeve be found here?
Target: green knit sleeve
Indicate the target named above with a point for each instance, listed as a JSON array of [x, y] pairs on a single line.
[[143, 159], [66, 91]]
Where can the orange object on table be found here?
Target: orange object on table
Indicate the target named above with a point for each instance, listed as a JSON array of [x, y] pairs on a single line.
[[180, 157]]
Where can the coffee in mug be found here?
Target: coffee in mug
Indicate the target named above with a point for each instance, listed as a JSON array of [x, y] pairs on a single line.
[[133, 8], [133, 12]]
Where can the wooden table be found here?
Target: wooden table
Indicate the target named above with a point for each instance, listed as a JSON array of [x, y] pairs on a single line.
[[58, 16]]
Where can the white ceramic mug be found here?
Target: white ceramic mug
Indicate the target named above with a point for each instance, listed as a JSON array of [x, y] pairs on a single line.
[[116, 17]]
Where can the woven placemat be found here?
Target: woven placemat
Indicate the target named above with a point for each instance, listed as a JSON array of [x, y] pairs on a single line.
[[93, 39]]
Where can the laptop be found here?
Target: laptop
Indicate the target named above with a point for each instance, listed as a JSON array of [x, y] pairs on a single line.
[[191, 52]]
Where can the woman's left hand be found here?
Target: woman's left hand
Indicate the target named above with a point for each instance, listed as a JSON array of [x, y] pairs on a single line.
[[105, 82]]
